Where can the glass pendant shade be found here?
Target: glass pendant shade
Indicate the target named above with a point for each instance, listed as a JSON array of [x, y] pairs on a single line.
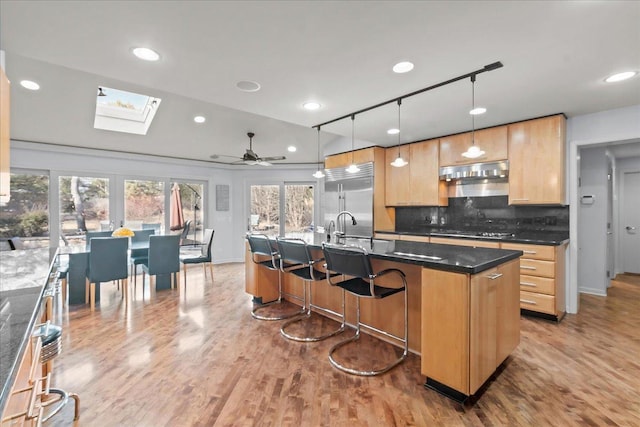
[[473, 152], [353, 168], [318, 174], [399, 161]]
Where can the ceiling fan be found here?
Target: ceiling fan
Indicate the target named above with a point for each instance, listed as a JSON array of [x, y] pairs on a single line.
[[250, 157]]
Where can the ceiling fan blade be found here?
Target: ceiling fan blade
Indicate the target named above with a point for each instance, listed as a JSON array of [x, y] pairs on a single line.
[[217, 156], [263, 163], [274, 158]]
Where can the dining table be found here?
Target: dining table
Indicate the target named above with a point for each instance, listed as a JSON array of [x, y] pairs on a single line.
[[78, 258]]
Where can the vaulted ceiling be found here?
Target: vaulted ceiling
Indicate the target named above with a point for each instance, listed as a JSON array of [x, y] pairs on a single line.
[[340, 54]]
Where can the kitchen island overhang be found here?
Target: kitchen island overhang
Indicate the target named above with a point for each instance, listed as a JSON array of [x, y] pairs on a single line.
[[464, 315]]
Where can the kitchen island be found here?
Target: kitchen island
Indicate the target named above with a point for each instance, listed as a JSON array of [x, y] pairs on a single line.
[[463, 306]]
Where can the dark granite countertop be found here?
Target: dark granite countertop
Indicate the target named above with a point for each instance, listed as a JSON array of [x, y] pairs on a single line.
[[552, 238], [429, 255], [24, 275]]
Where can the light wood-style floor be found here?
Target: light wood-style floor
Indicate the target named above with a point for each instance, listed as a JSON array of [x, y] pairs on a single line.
[[200, 359]]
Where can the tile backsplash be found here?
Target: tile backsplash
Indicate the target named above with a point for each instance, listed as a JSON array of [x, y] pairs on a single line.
[[491, 213]]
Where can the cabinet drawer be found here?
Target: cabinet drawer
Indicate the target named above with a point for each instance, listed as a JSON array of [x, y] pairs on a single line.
[[538, 302], [547, 253], [541, 285], [534, 267]]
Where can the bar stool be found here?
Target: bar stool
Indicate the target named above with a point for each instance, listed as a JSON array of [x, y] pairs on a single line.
[[355, 262], [261, 246], [296, 252], [51, 337]]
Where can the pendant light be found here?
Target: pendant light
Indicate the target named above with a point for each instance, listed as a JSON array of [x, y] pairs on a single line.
[[318, 174], [353, 168], [399, 161], [474, 151]]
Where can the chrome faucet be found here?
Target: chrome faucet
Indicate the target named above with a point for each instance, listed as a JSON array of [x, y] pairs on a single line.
[[329, 230], [342, 233]]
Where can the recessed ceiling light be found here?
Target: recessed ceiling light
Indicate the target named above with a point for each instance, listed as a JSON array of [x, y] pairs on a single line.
[[478, 110], [146, 53], [393, 131], [199, 119], [291, 149], [248, 86], [28, 84], [620, 76], [403, 67], [311, 105]]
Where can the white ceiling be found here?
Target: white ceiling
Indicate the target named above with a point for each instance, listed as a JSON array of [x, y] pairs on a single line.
[[555, 56]]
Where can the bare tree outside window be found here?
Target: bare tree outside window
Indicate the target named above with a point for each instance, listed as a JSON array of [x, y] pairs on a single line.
[[297, 210]]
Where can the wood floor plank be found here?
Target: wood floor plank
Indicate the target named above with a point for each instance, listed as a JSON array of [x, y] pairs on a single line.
[[198, 358]]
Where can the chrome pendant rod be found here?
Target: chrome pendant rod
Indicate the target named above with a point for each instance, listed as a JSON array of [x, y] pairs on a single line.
[[486, 68]]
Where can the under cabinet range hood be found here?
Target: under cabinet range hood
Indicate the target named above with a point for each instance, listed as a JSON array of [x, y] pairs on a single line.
[[499, 169]]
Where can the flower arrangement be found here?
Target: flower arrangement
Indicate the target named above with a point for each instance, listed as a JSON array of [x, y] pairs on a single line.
[[123, 232]]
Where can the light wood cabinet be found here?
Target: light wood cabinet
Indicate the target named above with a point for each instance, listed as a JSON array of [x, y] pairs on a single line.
[[363, 155], [5, 92], [493, 141], [470, 324], [542, 278], [418, 183], [537, 161]]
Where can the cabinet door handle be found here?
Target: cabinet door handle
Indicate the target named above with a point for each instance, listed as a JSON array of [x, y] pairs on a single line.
[[528, 301], [533, 285], [530, 252], [494, 276], [519, 200], [526, 267]]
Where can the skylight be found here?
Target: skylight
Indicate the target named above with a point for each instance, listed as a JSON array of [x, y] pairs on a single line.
[[121, 111]]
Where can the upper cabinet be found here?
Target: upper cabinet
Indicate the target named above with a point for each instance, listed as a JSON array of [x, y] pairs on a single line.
[[416, 184], [4, 138], [537, 161], [364, 155], [493, 141]]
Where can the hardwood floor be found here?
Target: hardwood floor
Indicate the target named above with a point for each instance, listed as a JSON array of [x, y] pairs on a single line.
[[200, 359]]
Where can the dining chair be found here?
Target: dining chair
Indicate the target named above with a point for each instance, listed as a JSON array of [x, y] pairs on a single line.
[[93, 234], [185, 232], [359, 279], [139, 255], [108, 260], [203, 258], [164, 258]]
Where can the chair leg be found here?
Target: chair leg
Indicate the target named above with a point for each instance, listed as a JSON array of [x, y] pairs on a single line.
[[184, 273], [63, 284], [211, 270], [254, 311], [125, 290], [86, 291], [152, 285], [92, 291], [176, 276]]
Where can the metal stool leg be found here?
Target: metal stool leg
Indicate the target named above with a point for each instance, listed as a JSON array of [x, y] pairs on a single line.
[[256, 315]]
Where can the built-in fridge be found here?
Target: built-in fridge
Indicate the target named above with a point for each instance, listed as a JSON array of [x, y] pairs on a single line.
[[352, 192]]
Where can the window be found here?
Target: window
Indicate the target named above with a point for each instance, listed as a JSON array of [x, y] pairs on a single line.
[[121, 111], [191, 205], [293, 202], [26, 215], [144, 205], [84, 206]]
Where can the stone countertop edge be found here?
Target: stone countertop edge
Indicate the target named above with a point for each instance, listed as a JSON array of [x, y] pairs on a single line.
[[529, 237], [16, 354]]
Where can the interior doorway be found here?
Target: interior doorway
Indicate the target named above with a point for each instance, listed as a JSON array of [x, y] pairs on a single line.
[[629, 224]]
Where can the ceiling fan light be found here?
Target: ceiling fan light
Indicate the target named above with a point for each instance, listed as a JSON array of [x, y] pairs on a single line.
[[399, 162], [353, 168], [473, 152]]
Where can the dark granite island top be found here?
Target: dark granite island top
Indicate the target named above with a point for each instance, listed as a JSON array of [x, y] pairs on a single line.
[[24, 275], [429, 255]]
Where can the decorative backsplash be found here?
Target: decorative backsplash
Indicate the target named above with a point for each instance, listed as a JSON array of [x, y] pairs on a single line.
[[491, 214]]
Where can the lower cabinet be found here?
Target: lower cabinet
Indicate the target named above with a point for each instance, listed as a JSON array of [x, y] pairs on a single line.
[[542, 278], [470, 324]]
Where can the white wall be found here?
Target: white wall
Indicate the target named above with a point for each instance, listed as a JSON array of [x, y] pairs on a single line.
[[229, 225], [617, 125], [592, 221]]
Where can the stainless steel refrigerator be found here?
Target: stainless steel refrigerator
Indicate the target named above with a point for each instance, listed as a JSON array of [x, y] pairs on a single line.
[[352, 192]]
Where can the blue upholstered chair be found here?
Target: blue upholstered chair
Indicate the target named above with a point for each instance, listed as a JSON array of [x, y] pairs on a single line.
[[139, 255], [164, 258], [108, 260], [204, 257]]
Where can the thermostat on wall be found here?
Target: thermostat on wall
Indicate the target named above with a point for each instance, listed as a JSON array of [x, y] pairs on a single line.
[[587, 200]]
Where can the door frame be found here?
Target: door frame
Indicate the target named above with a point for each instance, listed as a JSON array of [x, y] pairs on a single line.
[[618, 223]]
